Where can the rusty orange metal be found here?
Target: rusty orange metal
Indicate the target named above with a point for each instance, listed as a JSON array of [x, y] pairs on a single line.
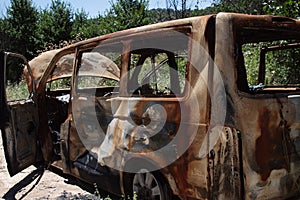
[[190, 124]]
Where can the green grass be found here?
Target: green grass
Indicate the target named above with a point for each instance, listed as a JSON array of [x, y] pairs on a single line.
[[17, 91]]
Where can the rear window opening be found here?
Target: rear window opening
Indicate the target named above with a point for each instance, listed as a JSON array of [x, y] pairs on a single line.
[[267, 63]]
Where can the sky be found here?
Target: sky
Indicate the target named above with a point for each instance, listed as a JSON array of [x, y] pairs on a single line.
[[92, 7]]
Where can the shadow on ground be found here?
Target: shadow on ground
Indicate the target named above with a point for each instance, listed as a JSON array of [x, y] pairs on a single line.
[[35, 176]]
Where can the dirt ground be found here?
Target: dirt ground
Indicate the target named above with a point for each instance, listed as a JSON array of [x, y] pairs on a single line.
[[33, 183]]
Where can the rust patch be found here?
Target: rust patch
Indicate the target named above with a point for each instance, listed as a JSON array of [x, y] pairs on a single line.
[[181, 168], [270, 146]]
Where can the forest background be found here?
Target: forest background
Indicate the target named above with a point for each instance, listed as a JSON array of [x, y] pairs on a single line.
[[28, 30]]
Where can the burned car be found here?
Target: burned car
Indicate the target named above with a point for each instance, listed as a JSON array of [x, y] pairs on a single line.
[[199, 108]]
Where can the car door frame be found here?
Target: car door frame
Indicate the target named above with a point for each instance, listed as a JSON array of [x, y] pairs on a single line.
[[19, 123]]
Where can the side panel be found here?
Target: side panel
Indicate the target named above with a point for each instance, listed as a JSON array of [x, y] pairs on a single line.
[[268, 122]]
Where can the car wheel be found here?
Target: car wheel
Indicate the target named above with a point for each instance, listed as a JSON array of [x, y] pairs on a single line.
[[150, 186]]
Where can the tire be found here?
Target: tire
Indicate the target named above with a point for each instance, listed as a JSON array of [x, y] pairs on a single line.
[[147, 185]]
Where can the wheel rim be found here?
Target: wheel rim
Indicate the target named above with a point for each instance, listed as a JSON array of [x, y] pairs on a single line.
[[146, 186]]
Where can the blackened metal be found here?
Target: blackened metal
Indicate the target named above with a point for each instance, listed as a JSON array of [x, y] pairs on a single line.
[[3, 105]]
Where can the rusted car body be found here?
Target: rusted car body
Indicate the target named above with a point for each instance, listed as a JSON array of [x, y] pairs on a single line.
[[175, 113]]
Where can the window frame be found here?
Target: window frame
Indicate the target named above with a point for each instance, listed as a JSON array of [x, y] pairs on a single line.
[[240, 40], [185, 29]]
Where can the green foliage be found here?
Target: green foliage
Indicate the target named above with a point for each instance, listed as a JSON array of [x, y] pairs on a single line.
[[59, 84], [97, 195], [56, 23], [80, 22], [4, 34], [16, 91], [159, 15], [22, 20], [241, 6], [288, 8], [282, 66], [126, 14], [251, 56], [95, 82], [27, 30], [18, 33], [84, 27]]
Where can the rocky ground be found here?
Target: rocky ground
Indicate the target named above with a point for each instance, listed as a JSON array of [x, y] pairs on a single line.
[[33, 183]]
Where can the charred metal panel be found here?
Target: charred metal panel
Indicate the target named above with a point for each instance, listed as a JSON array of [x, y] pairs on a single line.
[[225, 170], [3, 106], [20, 136], [44, 133], [239, 145], [133, 128], [64, 146], [270, 159], [267, 122], [220, 170], [295, 127], [136, 120], [272, 144]]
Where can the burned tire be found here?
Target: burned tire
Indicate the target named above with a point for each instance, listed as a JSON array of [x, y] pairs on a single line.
[[147, 185]]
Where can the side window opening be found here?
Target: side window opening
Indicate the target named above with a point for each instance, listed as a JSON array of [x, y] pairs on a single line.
[[100, 71], [265, 65], [157, 74], [59, 81], [280, 64], [97, 80], [158, 63], [18, 90]]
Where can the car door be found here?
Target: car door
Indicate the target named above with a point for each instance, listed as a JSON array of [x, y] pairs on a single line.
[[19, 118]]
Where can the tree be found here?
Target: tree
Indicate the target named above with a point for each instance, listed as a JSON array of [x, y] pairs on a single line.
[[126, 14], [285, 64], [84, 28], [178, 9], [20, 33], [159, 15], [4, 34], [240, 6], [288, 8], [56, 24], [80, 24], [22, 20]]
